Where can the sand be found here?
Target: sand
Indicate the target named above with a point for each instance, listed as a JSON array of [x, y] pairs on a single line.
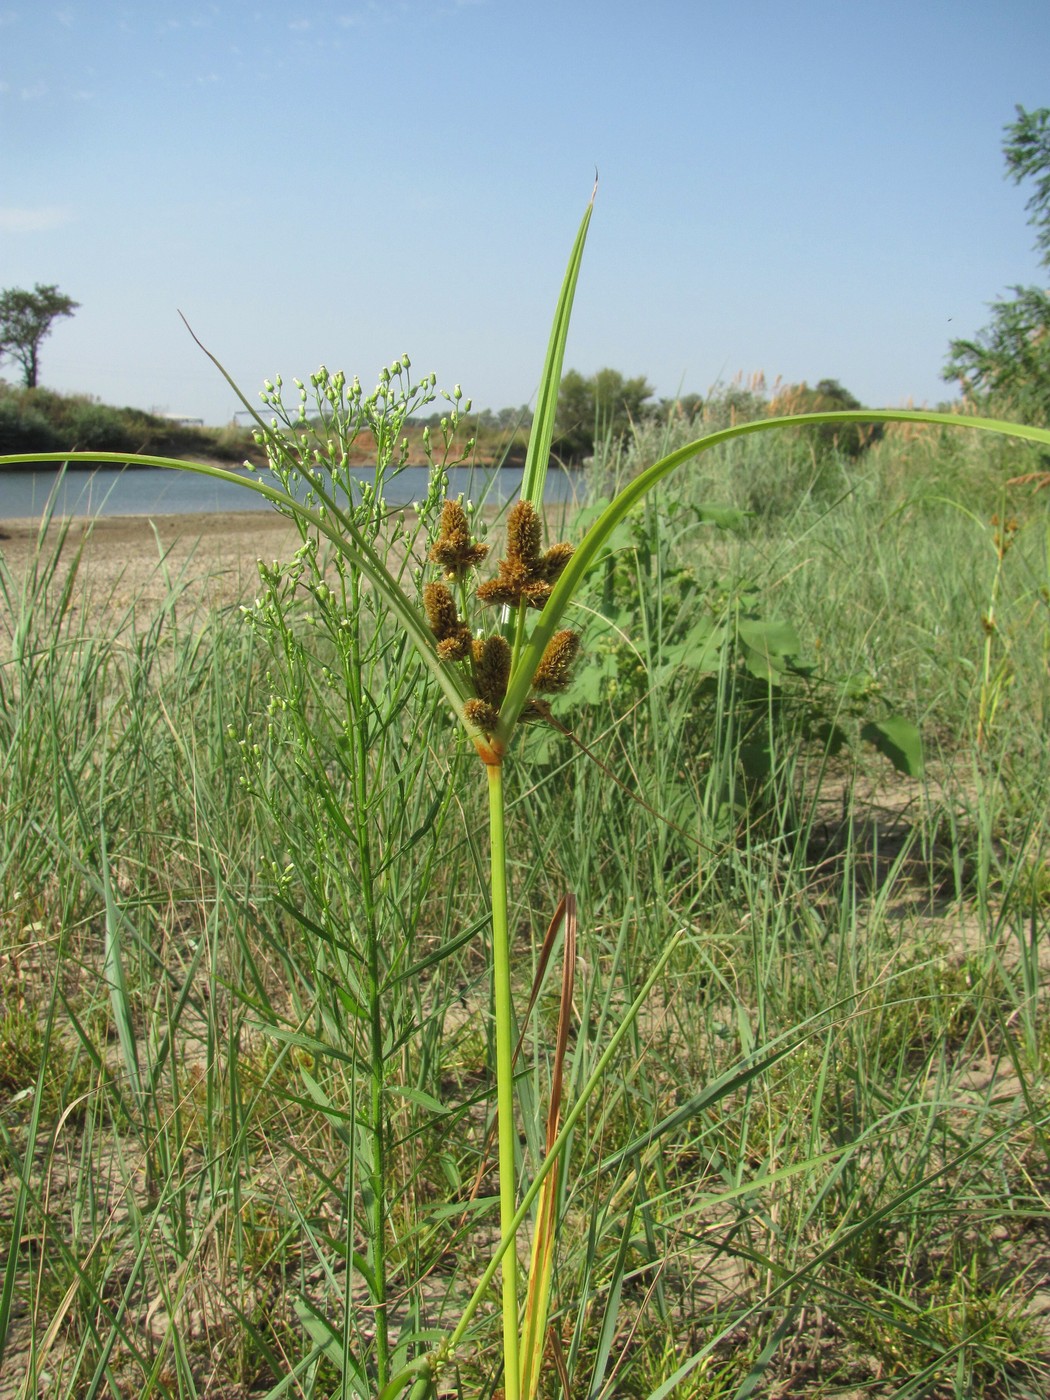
[[128, 558]]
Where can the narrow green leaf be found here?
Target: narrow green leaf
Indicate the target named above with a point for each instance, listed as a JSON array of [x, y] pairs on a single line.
[[325, 1337], [22, 1168], [419, 1097], [727, 1083], [542, 434], [113, 971]]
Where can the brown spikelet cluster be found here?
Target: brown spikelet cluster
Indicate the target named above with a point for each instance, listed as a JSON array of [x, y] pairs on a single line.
[[555, 668], [453, 636], [1004, 532], [525, 575], [454, 549], [555, 560]]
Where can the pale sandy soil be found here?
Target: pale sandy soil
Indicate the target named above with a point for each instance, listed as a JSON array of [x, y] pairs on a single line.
[[130, 558]]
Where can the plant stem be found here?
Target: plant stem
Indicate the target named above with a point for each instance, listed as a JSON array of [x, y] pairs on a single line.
[[376, 1167], [507, 1136]]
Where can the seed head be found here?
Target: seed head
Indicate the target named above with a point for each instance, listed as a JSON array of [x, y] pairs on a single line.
[[457, 647], [440, 608], [492, 668], [453, 636], [555, 668], [482, 714], [525, 576], [554, 561], [523, 536], [508, 586], [453, 549]]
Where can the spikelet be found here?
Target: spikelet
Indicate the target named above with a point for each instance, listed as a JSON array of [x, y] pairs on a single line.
[[507, 587], [454, 549], [523, 536], [453, 636], [554, 561], [455, 648], [440, 608], [555, 668], [482, 714], [492, 668], [525, 576]]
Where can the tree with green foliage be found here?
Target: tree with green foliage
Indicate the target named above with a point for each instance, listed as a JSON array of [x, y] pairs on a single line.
[[828, 396], [26, 319], [589, 409], [1008, 363]]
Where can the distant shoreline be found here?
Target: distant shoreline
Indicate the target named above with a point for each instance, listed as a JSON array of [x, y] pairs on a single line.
[[239, 467]]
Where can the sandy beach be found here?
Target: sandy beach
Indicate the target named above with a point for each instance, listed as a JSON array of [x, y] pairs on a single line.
[[130, 558]]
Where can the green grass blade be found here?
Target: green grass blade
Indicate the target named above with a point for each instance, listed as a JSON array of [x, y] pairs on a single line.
[[596, 1077], [21, 1164], [542, 434], [113, 968], [809, 1270]]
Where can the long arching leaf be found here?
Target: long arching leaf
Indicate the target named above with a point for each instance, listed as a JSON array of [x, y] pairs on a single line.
[[590, 546]]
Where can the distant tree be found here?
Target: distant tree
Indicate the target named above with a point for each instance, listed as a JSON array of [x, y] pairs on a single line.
[[828, 396], [1027, 152], [605, 404], [510, 418], [26, 319], [1008, 362]]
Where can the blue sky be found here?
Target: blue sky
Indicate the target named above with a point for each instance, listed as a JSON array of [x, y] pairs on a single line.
[[810, 190]]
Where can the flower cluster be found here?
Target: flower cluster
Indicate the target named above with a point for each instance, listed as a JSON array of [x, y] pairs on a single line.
[[525, 576], [454, 549]]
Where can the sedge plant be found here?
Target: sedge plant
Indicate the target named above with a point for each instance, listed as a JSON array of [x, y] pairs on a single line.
[[495, 642]]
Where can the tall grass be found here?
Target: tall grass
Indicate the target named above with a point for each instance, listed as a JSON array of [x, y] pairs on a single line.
[[256, 1049]]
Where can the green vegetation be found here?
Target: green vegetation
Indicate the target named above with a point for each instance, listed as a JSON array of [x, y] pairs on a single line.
[[599, 408], [1006, 368], [598, 420], [297, 1071], [39, 420]]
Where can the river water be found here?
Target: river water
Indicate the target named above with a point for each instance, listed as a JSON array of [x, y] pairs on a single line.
[[24, 494]]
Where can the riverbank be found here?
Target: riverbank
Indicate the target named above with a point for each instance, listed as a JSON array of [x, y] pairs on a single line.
[[135, 558]]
